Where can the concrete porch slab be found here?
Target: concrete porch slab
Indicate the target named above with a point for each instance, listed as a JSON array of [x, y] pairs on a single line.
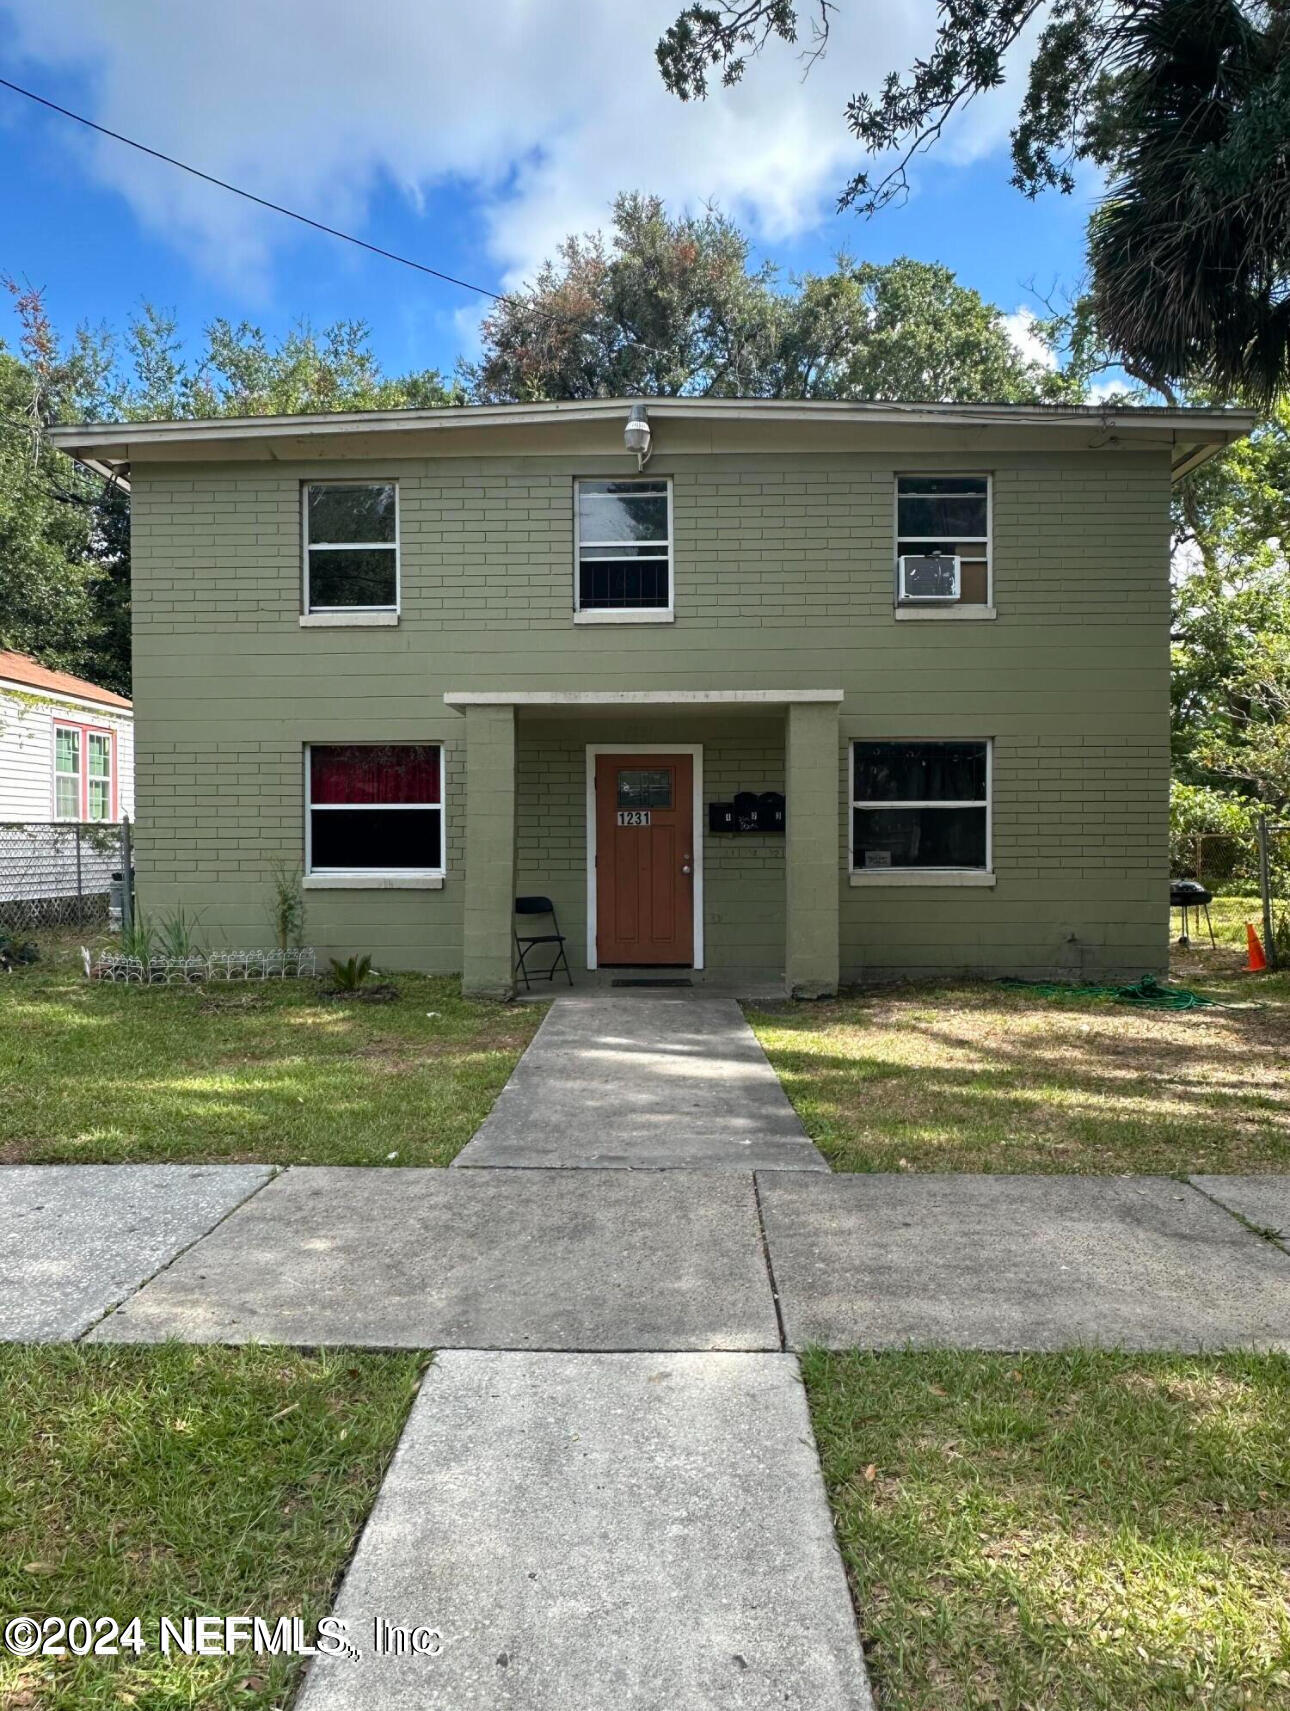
[[597, 1531], [464, 1259], [1263, 1201], [643, 1081], [1018, 1262], [77, 1238]]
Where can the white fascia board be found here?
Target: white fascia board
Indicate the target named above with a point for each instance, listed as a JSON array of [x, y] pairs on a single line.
[[639, 697]]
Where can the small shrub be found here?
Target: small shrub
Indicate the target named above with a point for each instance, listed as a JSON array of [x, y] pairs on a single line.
[[139, 939], [176, 935], [350, 975]]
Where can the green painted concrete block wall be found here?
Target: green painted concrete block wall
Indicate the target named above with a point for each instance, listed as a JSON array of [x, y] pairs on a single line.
[[783, 580]]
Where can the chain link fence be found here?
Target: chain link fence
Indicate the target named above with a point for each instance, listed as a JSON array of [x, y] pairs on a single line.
[[1250, 880], [56, 874]]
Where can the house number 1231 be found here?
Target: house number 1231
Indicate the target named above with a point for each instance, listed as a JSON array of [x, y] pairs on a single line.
[[633, 816]]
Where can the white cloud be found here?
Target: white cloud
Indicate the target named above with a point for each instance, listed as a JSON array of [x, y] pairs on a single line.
[[1022, 328], [540, 110]]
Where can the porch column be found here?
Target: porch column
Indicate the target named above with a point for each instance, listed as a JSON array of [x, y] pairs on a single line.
[[812, 846], [486, 964]]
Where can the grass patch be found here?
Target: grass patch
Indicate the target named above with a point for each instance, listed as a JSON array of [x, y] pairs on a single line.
[[181, 1481], [1063, 1532], [273, 1072], [980, 1077]]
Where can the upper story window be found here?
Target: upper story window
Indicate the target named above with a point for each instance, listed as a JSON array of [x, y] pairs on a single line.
[[351, 531], [943, 540], [623, 546], [374, 809], [920, 805], [84, 773]]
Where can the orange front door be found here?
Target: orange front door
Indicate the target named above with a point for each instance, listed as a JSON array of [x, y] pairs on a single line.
[[645, 859]]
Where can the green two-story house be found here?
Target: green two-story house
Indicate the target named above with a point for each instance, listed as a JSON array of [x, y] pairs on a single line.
[[755, 692]]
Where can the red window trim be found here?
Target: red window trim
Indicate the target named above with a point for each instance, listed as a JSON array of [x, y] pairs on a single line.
[[86, 731]]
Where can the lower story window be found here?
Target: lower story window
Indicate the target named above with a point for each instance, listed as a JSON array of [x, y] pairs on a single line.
[[920, 805], [374, 808]]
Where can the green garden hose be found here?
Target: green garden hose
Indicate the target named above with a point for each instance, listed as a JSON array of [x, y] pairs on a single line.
[[1147, 993]]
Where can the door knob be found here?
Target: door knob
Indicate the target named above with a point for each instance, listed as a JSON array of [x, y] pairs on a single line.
[[685, 867]]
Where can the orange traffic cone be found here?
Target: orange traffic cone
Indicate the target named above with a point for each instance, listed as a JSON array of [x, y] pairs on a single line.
[[1255, 961]]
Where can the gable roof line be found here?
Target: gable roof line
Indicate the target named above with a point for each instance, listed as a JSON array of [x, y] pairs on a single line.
[[20, 671]]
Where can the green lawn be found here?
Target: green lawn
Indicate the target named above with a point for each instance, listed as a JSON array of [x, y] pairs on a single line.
[[976, 1076], [182, 1482], [1083, 1532], [273, 1072]]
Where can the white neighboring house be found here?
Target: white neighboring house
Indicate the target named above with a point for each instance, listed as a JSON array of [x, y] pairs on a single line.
[[66, 757], [66, 746]]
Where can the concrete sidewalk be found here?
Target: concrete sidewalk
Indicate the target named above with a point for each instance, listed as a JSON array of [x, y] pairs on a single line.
[[602, 1260], [497, 1259], [1024, 1262], [643, 1081], [75, 1239]]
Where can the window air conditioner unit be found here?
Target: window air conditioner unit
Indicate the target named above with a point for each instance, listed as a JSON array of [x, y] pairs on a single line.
[[929, 576]]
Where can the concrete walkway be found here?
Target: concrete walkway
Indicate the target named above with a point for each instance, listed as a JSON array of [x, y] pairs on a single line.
[[643, 1081], [602, 1533]]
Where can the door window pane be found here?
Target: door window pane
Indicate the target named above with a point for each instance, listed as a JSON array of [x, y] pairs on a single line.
[[642, 788]]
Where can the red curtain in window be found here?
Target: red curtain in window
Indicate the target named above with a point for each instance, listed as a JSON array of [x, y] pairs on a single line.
[[374, 773]]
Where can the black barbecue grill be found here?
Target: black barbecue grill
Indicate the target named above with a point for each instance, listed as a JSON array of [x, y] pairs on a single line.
[[1190, 897]]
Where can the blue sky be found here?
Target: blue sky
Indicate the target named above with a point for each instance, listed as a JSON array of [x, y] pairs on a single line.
[[470, 138]]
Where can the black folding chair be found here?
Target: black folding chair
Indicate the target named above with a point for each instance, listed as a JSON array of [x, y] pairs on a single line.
[[523, 945]]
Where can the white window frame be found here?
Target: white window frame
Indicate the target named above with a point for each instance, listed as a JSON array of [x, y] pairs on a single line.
[[622, 614], [92, 778], [373, 878], [921, 875], [79, 775], [358, 615], [956, 608]]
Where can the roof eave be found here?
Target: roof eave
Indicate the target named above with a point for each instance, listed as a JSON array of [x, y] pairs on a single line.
[[108, 447]]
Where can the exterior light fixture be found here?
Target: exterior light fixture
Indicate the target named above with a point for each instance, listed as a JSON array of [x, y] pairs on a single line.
[[636, 434]]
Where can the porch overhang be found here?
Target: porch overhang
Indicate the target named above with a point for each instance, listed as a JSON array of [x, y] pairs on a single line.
[[493, 720], [640, 698]]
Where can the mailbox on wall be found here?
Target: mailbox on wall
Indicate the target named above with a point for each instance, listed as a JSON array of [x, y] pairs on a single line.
[[749, 812]]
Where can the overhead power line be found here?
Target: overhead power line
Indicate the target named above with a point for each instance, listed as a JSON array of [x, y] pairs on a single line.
[[250, 196]]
